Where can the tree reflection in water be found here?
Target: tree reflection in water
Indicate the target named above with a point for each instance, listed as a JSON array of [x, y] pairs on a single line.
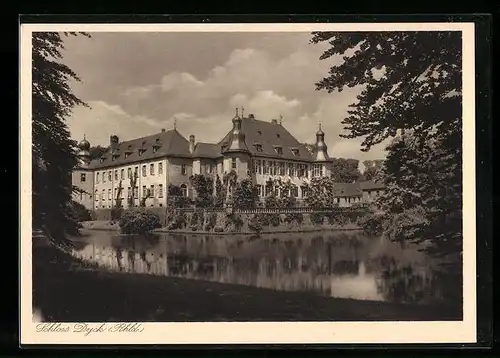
[[334, 264]]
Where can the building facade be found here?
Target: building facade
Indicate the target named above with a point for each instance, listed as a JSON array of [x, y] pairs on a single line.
[[255, 149]]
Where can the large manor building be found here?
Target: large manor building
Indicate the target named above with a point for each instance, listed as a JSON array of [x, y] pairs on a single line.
[[261, 150]]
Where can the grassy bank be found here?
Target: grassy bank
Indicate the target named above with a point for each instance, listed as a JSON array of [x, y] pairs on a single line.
[[66, 290]]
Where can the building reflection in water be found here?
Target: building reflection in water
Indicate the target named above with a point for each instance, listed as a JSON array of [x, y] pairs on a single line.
[[336, 265]]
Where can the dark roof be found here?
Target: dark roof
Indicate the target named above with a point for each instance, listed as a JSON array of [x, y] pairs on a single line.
[[170, 143], [370, 185], [346, 189], [269, 135], [207, 150]]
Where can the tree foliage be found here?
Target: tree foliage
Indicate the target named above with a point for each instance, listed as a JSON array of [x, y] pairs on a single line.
[[401, 90], [204, 190], [372, 169], [53, 150], [345, 170], [411, 91], [245, 194], [97, 151]]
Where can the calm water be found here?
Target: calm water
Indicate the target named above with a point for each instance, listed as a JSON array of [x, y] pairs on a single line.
[[346, 265]]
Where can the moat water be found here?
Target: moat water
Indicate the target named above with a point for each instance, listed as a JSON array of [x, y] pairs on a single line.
[[333, 264]]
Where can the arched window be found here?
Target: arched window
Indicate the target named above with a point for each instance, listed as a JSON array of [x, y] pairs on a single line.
[[184, 190]]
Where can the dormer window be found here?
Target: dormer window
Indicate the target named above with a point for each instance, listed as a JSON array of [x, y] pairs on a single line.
[[295, 152], [128, 151], [258, 131], [101, 159], [114, 156], [156, 145], [258, 147], [223, 147], [278, 135], [279, 150]]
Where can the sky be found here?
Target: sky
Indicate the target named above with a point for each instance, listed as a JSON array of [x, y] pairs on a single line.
[[137, 83]]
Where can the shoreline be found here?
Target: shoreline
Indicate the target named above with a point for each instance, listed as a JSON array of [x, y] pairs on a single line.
[[106, 226], [96, 295]]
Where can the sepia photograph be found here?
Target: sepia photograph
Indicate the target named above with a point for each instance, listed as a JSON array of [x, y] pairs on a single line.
[[243, 176]]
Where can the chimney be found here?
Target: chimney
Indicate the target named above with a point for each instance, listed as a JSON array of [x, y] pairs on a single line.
[[274, 121], [251, 116], [163, 129], [191, 143], [113, 142]]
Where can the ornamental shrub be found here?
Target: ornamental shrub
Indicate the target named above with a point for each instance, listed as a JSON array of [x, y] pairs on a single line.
[[138, 221]]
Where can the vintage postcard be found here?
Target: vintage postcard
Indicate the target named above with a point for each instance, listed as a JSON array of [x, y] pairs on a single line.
[[247, 183]]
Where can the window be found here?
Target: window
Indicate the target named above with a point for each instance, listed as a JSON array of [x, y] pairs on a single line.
[[97, 178], [266, 166], [144, 191], [152, 191], [126, 155], [136, 192], [258, 147], [282, 168], [259, 190], [295, 191], [151, 169], [160, 168], [301, 170], [96, 195], [136, 171], [160, 190], [110, 178], [115, 192], [183, 169], [155, 149], [304, 191], [279, 150], [317, 170], [269, 190], [109, 194], [272, 169], [104, 177], [233, 163], [257, 166], [184, 190], [143, 170], [129, 192], [116, 174], [83, 177], [295, 152], [103, 195], [122, 174], [223, 148], [129, 173]]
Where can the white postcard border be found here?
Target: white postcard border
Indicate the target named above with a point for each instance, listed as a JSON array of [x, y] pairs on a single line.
[[272, 332]]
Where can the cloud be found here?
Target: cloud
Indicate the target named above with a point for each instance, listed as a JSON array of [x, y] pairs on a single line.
[[103, 119], [263, 81]]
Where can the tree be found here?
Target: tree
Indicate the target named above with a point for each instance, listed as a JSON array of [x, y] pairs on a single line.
[[402, 91], [345, 170], [53, 150], [97, 151], [372, 169], [204, 189], [245, 194]]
